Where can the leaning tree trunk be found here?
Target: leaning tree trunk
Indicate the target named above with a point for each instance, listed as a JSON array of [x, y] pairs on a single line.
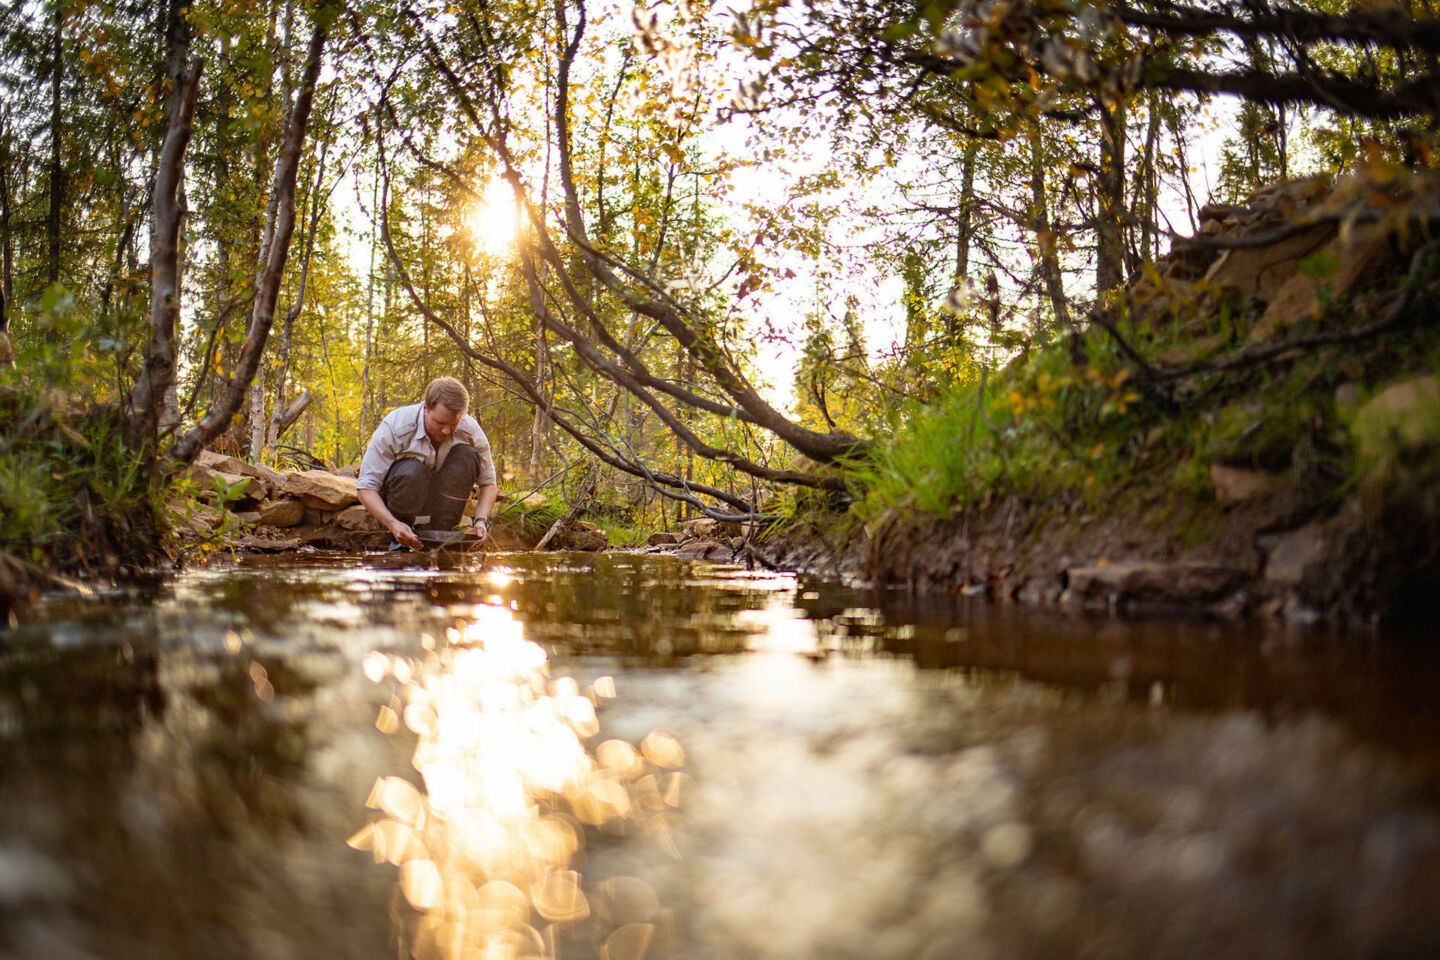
[[287, 329], [268, 283], [257, 388]]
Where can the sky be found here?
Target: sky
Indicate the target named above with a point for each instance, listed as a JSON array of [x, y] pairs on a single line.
[[787, 306]]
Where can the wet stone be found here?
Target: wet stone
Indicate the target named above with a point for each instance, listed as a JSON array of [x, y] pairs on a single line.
[[1151, 584]]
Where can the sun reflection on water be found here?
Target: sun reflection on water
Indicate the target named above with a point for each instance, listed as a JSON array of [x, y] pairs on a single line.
[[486, 850]]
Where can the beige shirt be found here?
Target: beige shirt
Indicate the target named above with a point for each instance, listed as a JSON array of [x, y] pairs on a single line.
[[402, 434]]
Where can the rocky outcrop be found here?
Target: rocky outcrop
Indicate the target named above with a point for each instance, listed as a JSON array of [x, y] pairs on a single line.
[[281, 513], [320, 489]]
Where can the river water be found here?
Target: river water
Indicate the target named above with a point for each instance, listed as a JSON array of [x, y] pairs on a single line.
[[628, 756]]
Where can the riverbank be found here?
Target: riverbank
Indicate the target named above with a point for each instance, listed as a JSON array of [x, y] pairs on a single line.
[[1269, 555], [1252, 430]]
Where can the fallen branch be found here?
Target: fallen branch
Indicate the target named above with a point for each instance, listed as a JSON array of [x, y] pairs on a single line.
[[576, 509]]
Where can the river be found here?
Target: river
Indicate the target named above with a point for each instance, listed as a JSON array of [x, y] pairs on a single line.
[[628, 756]]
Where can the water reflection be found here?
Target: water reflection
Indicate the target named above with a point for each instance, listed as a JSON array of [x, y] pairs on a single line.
[[874, 776], [486, 847]]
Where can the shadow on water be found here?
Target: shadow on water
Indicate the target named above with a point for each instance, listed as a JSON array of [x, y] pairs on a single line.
[[623, 756]]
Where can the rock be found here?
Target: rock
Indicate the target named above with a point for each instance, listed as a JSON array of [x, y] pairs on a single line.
[[1151, 584], [357, 518], [198, 522], [264, 544], [314, 516], [265, 477], [1286, 195], [320, 489], [704, 550], [1289, 555], [662, 539], [251, 492], [351, 470], [1404, 414], [281, 513], [1233, 607], [1039, 590], [1347, 397], [250, 517], [1235, 485], [1260, 272], [705, 528], [1306, 297], [582, 535], [204, 479]]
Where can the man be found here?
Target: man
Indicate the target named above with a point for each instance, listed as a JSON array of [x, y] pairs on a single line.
[[423, 460]]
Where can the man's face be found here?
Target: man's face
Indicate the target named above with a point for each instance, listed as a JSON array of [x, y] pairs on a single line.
[[440, 423]]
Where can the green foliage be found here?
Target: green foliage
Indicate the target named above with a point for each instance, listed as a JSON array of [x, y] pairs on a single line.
[[1038, 427], [532, 518], [1318, 266], [73, 492]]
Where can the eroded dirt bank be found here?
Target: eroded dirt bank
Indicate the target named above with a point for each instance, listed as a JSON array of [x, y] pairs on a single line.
[[1375, 560]]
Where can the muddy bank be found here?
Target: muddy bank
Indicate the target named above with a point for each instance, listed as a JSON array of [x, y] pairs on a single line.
[[1373, 561]]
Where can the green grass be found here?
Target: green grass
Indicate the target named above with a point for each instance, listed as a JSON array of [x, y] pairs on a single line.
[[1048, 431]]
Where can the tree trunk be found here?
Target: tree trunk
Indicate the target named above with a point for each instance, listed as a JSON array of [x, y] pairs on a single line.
[[539, 426], [272, 212], [158, 375], [257, 415], [1110, 247], [7, 352], [367, 393], [290, 414], [288, 329], [7, 237], [962, 237], [1146, 179], [170, 402], [1045, 237], [57, 171]]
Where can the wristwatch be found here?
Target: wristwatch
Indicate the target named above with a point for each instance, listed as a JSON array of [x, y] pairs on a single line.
[[484, 520]]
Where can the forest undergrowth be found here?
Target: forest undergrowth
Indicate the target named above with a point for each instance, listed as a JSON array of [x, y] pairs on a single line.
[[1176, 415]]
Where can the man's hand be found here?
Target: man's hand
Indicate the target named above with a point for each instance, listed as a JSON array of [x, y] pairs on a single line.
[[481, 528], [402, 532]]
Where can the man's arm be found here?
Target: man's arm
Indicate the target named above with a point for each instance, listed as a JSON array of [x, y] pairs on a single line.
[[400, 531], [484, 504]]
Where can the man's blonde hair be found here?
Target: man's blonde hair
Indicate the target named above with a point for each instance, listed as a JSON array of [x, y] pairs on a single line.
[[449, 391]]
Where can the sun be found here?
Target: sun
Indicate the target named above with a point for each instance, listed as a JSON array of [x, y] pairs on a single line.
[[492, 221]]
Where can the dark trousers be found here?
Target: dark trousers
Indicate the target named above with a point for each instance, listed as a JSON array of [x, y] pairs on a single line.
[[410, 490]]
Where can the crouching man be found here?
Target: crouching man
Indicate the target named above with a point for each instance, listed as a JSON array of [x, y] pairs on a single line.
[[423, 461]]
